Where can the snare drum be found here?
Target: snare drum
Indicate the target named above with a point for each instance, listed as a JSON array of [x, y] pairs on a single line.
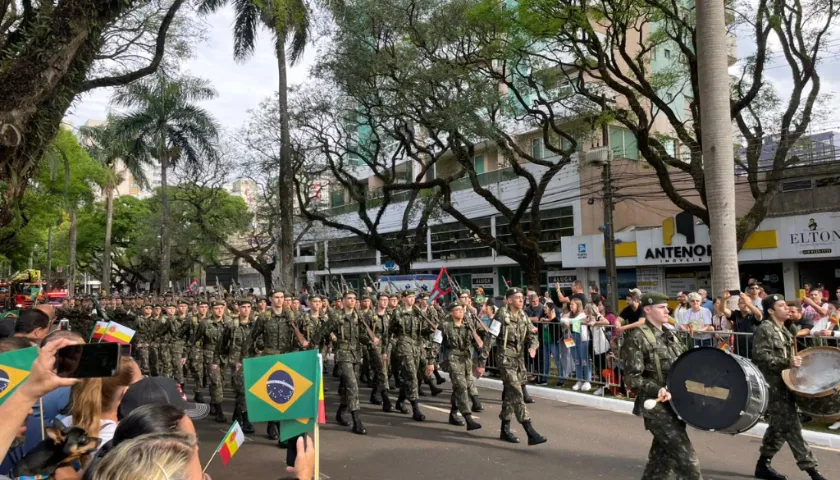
[[714, 390], [816, 383]]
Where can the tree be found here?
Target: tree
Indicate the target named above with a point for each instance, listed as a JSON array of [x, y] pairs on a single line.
[[602, 40], [52, 52], [165, 124], [110, 149], [288, 21]]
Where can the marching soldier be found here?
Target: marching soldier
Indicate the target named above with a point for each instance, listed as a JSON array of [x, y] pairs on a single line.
[[380, 319], [143, 337], [432, 316], [195, 349], [648, 352], [410, 329], [472, 320], [347, 333], [459, 338], [235, 346], [773, 352], [165, 338], [178, 326], [209, 333], [157, 322], [366, 375], [517, 334]]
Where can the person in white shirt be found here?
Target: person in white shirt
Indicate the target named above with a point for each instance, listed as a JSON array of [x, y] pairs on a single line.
[[697, 320], [682, 298]]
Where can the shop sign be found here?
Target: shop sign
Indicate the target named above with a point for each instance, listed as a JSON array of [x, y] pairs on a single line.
[[564, 278], [814, 240], [483, 280]]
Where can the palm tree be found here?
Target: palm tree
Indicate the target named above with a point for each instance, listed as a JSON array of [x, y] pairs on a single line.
[[165, 124], [288, 20], [109, 149]]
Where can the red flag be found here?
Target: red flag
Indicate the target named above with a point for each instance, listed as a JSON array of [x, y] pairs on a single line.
[[442, 287]]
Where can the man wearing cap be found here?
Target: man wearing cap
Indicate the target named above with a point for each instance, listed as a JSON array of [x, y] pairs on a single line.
[[157, 321], [179, 323], [459, 339], [773, 353], [431, 315], [365, 368], [410, 329], [143, 337], [517, 333], [649, 351], [159, 391], [348, 334], [195, 353], [209, 333], [235, 347], [471, 319], [380, 319]]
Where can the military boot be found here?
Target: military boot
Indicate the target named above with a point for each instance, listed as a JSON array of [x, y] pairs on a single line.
[[476, 404], [534, 438], [374, 398], [815, 474], [525, 397], [358, 428], [764, 471], [416, 414], [339, 416], [386, 403], [453, 415], [212, 409], [401, 404], [220, 414], [440, 380], [199, 397], [506, 434], [247, 428], [435, 389], [237, 415], [273, 431], [471, 423]]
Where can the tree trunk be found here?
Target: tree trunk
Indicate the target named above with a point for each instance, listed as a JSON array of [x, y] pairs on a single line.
[[531, 270], [266, 274], [163, 280], [718, 161], [286, 246], [71, 269], [106, 253]]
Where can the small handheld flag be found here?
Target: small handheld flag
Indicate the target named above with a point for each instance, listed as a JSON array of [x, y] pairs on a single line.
[[116, 333], [234, 439], [99, 330], [293, 428], [280, 387], [14, 369]]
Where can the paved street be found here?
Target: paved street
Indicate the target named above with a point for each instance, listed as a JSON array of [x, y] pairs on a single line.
[[583, 443]]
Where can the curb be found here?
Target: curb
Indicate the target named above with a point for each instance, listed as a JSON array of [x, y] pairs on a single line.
[[821, 439]]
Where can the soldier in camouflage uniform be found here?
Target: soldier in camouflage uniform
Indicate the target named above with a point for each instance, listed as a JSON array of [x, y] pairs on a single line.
[[157, 323], [431, 316], [411, 329], [164, 337], [209, 333], [348, 333], [143, 335], [379, 320], [364, 310], [179, 324], [648, 353], [517, 334], [459, 339], [236, 345], [195, 352], [435, 315], [773, 352], [273, 335], [309, 323], [471, 319]]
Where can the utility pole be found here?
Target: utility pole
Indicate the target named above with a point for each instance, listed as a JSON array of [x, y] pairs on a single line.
[[609, 237], [718, 161]]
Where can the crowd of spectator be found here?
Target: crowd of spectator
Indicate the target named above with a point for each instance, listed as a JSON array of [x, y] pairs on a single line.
[[140, 427]]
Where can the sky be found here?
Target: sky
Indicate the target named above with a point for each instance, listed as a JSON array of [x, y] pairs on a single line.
[[241, 86]]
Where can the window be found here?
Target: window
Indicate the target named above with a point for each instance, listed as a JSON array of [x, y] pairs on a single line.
[[554, 224], [623, 143], [453, 241], [478, 164], [794, 185], [350, 252], [537, 148], [667, 53], [337, 197], [431, 173]]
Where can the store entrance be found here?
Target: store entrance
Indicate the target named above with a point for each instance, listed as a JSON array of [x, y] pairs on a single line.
[[825, 272]]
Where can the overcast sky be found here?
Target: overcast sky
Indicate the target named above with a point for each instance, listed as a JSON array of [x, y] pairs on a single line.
[[242, 86]]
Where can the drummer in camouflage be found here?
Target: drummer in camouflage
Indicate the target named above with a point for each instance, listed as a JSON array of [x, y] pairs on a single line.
[[649, 351], [773, 352]]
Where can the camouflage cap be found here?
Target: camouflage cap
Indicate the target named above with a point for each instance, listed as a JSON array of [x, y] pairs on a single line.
[[654, 298], [183, 301], [203, 302], [364, 296], [512, 291]]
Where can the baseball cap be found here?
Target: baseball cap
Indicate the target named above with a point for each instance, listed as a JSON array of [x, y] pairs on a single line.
[[160, 391]]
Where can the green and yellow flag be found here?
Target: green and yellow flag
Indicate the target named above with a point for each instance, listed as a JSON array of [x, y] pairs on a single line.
[[299, 426], [14, 369], [282, 387]]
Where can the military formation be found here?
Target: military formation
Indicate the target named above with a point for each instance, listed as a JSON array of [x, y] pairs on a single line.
[[390, 341]]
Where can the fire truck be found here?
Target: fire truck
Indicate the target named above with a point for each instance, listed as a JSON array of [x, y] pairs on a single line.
[[25, 289]]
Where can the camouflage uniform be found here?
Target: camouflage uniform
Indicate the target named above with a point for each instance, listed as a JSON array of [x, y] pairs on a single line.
[[177, 339], [236, 345], [350, 334], [164, 339], [410, 329], [471, 319], [379, 325], [459, 341], [143, 335], [772, 351], [195, 355], [273, 335], [209, 333], [648, 353]]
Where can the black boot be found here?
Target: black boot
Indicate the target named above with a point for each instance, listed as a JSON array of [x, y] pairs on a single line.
[[764, 471], [476, 404], [527, 398], [220, 414], [364, 378], [454, 419], [339, 416], [358, 428], [471, 424], [435, 389], [440, 380], [335, 370], [374, 398], [420, 391], [386, 403], [534, 438], [401, 404], [199, 397], [212, 409], [272, 431], [247, 428], [417, 415], [237, 415], [506, 434], [815, 475]]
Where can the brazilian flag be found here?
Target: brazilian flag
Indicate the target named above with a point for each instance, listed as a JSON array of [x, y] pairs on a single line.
[[299, 426], [14, 369], [282, 387]]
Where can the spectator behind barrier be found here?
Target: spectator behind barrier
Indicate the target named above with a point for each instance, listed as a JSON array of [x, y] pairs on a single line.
[[33, 324], [697, 320]]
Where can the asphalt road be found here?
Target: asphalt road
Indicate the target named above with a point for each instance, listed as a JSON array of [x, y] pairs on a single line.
[[584, 443]]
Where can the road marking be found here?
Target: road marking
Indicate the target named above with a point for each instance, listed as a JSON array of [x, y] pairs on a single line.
[[445, 410]]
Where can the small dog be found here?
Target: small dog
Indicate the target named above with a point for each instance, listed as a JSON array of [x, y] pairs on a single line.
[[64, 445]]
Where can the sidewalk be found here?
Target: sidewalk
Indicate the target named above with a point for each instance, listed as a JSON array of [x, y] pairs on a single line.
[[821, 439]]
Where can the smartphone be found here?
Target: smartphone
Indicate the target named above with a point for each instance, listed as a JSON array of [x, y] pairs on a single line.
[[292, 451], [88, 361], [734, 292]]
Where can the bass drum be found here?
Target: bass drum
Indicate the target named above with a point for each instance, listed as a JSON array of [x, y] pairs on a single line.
[[816, 383], [717, 391]]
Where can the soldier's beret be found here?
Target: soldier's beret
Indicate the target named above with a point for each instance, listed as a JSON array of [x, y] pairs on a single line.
[[512, 291], [261, 299], [422, 295], [348, 292], [288, 294], [315, 296], [171, 304], [382, 294], [768, 301], [203, 302], [408, 293], [654, 298], [394, 295], [365, 296], [278, 290], [244, 301], [219, 303], [183, 301], [453, 306], [147, 305]]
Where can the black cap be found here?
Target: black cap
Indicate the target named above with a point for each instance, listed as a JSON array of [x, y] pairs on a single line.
[[160, 391], [422, 295], [768, 301], [219, 303], [244, 301], [512, 291], [408, 293], [453, 306]]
